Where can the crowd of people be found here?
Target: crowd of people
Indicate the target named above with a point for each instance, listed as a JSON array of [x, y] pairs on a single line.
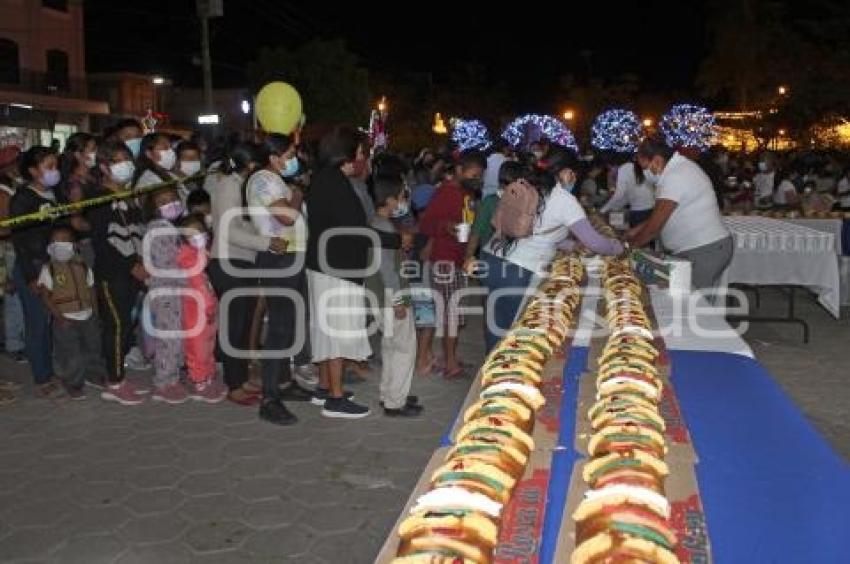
[[275, 257]]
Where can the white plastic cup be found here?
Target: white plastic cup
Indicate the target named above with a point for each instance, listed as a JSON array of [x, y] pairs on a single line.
[[463, 230]]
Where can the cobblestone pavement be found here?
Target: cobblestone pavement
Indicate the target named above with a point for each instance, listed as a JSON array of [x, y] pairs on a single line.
[[93, 483]]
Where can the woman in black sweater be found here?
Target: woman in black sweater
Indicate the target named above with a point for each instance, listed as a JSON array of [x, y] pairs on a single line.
[[337, 264], [39, 168]]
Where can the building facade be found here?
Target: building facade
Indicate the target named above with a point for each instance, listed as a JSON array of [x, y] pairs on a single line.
[[43, 89]]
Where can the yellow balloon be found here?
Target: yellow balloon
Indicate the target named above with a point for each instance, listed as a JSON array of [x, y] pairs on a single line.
[[278, 107]]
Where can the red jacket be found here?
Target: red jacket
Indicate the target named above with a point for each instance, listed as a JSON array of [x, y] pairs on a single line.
[[444, 210]]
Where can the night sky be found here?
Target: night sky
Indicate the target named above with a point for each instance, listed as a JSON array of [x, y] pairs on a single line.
[[529, 47]]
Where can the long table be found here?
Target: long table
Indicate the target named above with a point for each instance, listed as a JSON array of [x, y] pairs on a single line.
[[772, 489]]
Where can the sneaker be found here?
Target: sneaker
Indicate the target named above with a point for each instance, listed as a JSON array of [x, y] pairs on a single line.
[[208, 392], [135, 360], [344, 408], [306, 376], [294, 392], [76, 394], [173, 394], [410, 401], [50, 390], [123, 393], [406, 411], [276, 413], [321, 394]]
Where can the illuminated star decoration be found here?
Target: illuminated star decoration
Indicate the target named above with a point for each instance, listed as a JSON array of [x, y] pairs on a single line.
[[688, 126], [530, 128], [470, 134], [616, 130]]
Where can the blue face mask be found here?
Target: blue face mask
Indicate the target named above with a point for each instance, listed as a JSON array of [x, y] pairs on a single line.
[[569, 187], [135, 145], [290, 168]]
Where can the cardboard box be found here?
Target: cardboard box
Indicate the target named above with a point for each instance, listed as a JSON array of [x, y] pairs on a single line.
[[687, 515], [547, 421], [522, 517], [676, 435]]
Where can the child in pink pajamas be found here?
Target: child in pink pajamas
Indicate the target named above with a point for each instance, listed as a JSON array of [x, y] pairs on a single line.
[[199, 313]]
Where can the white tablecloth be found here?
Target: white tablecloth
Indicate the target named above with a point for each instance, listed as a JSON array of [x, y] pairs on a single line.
[[833, 226], [773, 252], [685, 322]]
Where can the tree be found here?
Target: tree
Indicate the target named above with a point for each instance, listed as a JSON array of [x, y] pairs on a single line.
[[759, 45], [333, 85]]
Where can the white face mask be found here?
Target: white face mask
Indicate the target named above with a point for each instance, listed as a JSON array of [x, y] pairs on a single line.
[[208, 220], [190, 168], [122, 172], [198, 240], [61, 251], [167, 159], [762, 166], [91, 159], [402, 209]]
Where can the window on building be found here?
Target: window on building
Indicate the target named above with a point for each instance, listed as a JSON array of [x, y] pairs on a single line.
[[61, 5], [57, 71], [10, 70]]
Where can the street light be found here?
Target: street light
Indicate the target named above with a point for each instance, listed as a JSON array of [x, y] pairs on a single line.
[[783, 90], [158, 80], [647, 122], [781, 132], [246, 107], [569, 115], [382, 105]]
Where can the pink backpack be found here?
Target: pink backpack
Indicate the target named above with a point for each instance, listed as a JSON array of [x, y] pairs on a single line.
[[517, 210]]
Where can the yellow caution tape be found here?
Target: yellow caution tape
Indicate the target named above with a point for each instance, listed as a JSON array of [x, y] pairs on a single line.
[[51, 213]]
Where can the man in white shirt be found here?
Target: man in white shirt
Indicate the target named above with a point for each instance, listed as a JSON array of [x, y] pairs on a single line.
[[686, 215]]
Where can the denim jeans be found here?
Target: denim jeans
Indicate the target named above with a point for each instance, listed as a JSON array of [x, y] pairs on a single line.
[[37, 337], [501, 275]]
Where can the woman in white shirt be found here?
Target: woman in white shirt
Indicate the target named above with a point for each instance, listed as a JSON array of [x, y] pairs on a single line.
[[273, 208], [234, 252], [686, 214], [633, 190], [785, 194], [512, 264]]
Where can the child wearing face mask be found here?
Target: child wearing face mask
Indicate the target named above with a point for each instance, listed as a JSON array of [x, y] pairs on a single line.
[[199, 312], [119, 273], [398, 343], [188, 165], [156, 161], [40, 172], [163, 305], [67, 288]]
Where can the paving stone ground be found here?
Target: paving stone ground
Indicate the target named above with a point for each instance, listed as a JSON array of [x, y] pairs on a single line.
[[93, 483]]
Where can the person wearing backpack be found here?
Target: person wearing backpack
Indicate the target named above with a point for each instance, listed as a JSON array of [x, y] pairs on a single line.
[[530, 222]]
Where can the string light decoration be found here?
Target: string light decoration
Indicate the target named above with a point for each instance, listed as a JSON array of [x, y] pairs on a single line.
[[470, 134], [616, 130], [530, 128], [686, 125]]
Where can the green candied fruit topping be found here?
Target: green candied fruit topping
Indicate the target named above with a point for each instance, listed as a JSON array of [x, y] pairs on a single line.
[[641, 531], [450, 476]]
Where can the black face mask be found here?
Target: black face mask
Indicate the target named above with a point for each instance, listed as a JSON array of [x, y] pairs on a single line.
[[472, 184]]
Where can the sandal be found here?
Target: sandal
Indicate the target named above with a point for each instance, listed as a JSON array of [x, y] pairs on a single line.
[[247, 400], [7, 398], [250, 387], [431, 368], [462, 371]]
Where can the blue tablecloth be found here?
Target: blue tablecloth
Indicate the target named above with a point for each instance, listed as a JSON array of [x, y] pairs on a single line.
[[773, 490]]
